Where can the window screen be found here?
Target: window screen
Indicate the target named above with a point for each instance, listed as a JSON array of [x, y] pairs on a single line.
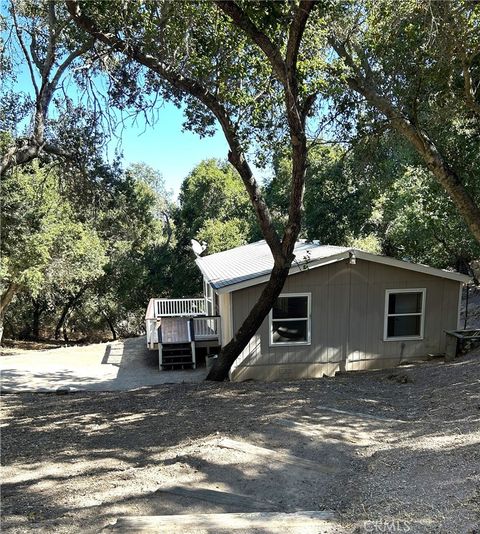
[[290, 321]]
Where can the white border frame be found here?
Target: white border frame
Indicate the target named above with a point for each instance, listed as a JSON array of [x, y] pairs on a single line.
[[308, 319], [388, 292]]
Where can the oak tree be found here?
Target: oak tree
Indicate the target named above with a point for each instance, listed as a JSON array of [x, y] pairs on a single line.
[[244, 65]]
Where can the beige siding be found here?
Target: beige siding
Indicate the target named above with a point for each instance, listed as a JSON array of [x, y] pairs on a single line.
[[347, 322], [225, 312]]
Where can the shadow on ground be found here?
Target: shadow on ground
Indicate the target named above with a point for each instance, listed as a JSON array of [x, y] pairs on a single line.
[[76, 462], [114, 366]]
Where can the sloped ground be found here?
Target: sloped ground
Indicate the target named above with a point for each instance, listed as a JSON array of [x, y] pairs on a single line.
[[404, 446]]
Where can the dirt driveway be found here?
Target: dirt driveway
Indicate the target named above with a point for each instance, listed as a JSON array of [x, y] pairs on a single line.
[[380, 450], [114, 366]]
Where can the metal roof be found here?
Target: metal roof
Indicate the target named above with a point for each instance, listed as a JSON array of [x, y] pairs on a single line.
[[251, 264]]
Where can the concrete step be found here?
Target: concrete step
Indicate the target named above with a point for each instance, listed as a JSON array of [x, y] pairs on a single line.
[[214, 523]]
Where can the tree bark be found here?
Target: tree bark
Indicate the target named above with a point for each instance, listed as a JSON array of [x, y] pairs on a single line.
[[286, 72], [260, 310], [38, 309], [64, 330], [63, 318], [67, 308], [5, 300], [362, 83], [110, 325]]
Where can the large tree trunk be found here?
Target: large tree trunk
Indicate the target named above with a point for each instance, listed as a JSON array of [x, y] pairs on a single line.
[[110, 325], [296, 113], [233, 349], [5, 300], [285, 69], [63, 318]]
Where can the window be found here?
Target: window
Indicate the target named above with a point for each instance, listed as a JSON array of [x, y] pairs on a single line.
[[404, 314], [290, 320]]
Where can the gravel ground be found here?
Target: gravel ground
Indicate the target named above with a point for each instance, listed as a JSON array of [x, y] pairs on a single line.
[[404, 444], [120, 365]]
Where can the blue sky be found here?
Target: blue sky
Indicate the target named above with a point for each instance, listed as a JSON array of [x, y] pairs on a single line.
[[166, 148]]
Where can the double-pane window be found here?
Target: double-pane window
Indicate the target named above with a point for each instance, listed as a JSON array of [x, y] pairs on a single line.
[[404, 314]]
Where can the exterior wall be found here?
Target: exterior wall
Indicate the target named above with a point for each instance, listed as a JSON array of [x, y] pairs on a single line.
[[347, 322], [225, 312]]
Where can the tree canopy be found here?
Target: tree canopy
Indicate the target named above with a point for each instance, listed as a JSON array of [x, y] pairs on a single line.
[[365, 113]]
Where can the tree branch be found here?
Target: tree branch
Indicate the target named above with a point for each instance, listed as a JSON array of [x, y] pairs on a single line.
[[69, 60], [242, 21], [419, 139], [470, 99], [194, 88], [50, 56], [286, 71], [297, 29], [24, 49]]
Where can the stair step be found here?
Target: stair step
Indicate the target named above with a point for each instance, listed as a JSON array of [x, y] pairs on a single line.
[[181, 350], [172, 366], [170, 361], [315, 521]]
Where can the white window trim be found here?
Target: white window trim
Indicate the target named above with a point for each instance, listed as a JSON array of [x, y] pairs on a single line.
[[388, 292], [209, 298], [308, 319]]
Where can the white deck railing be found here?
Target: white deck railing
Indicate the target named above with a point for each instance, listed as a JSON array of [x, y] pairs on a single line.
[[179, 307], [151, 327], [207, 328]]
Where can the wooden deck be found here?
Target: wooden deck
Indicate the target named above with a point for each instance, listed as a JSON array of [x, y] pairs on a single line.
[[175, 330]]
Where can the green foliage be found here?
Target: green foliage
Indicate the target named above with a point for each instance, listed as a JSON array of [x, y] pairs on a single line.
[[212, 191], [223, 235], [369, 243], [214, 208], [422, 224], [89, 261], [42, 242], [337, 202]]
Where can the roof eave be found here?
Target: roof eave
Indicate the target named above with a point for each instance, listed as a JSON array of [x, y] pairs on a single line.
[[417, 267], [303, 266]]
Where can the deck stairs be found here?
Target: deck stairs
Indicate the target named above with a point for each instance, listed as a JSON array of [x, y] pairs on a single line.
[[176, 347], [175, 327]]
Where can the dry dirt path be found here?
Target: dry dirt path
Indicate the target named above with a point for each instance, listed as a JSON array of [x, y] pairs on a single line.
[[379, 451], [114, 366]]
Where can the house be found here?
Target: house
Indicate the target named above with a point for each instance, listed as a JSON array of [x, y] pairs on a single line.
[[341, 309]]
